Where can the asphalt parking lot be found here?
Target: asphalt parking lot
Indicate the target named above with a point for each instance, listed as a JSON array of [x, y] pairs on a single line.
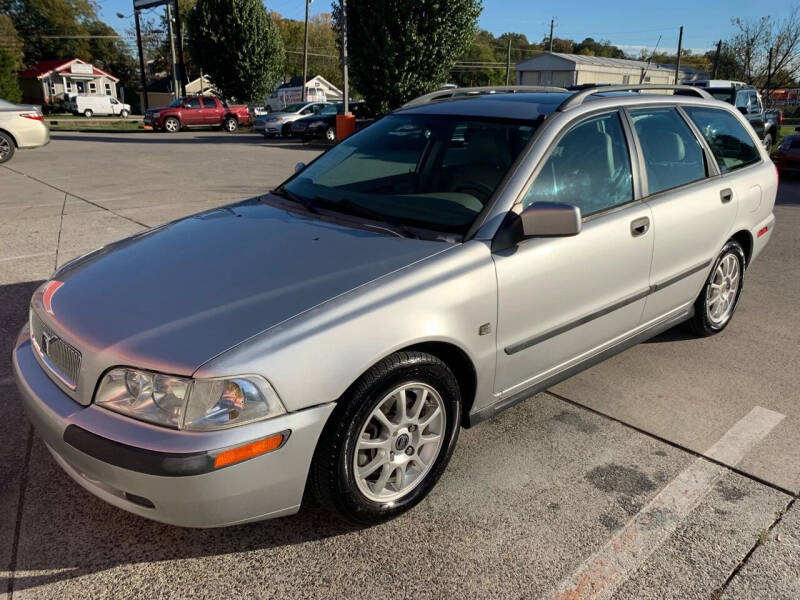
[[669, 471]]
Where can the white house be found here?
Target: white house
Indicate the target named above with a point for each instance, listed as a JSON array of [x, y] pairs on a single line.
[[53, 81]]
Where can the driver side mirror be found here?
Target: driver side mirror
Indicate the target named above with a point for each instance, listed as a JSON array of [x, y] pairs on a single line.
[[540, 219]]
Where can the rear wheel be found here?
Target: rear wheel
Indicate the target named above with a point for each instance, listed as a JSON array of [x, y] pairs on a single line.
[[88, 113], [172, 125], [6, 147], [714, 307], [389, 439], [230, 124], [767, 141]]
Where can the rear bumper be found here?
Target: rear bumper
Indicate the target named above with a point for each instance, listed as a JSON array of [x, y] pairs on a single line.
[[90, 444], [32, 134], [761, 234]]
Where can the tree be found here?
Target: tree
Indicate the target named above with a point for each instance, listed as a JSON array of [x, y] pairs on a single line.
[[323, 53], [237, 44], [9, 85], [10, 40], [399, 49]]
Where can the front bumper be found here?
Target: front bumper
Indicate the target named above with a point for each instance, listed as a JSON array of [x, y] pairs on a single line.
[[270, 485]]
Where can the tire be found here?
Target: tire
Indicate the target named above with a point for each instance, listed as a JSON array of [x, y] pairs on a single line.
[[711, 317], [767, 141], [330, 134], [124, 114], [7, 147], [286, 130], [230, 124], [172, 125], [334, 479], [88, 113]]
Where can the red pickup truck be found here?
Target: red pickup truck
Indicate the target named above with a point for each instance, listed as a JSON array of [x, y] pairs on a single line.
[[196, 111]]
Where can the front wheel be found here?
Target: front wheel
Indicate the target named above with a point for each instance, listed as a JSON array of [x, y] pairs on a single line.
[[124, 114], [230, 124], [389, 439], [330, 134], [88, 113], [172, 125], [767, 141], [714, 307]]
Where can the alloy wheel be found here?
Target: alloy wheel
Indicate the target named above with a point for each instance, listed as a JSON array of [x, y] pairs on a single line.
[[5, 148], [171, 125], [723, 289], [399, 442], [330, 134]]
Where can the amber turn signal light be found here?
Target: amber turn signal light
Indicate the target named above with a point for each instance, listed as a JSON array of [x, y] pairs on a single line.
[[251, 450]]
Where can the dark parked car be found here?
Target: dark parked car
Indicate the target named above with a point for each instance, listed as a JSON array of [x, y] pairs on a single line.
[[323, 124], [787, 155]]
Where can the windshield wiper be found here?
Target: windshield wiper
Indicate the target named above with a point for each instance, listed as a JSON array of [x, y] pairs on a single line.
[[359, 209], [284, 193]]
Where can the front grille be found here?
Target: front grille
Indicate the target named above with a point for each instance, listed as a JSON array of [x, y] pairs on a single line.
[[61, 358]]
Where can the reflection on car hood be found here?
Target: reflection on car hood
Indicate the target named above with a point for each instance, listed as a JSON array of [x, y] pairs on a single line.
[[174, 297]]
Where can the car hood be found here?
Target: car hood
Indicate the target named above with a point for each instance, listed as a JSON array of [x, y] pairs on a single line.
[[172, 298]]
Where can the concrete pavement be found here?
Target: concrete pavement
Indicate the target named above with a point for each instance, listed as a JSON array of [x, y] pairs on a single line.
[[529, 497]]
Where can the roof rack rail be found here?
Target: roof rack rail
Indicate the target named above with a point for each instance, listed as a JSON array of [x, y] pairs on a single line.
[[579, 98], [466, 92]]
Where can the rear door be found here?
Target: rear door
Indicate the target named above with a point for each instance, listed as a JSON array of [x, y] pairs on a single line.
[[210, 112], [693, 210], [561, 299]]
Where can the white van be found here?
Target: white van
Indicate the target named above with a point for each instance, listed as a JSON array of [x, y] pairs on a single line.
[[283, 97], [89, 106]]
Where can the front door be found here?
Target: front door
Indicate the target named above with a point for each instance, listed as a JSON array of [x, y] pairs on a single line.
[[192, 113], [562, 299]]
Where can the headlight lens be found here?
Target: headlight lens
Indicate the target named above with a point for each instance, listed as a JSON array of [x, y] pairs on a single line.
[[192, 404], [155, 115]]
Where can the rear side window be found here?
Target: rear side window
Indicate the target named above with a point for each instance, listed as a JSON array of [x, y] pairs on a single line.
[[729, 141], [589, 168], [672, 154]]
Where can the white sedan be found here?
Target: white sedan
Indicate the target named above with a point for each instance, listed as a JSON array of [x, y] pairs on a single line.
[[21, 126]]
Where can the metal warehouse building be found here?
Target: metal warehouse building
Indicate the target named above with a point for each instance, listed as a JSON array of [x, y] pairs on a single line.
[[554, 68]]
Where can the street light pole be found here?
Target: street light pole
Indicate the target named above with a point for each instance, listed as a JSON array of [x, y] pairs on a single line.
[[305, 55], [346, 85], [141, 59], [179, 35], [175, 81]]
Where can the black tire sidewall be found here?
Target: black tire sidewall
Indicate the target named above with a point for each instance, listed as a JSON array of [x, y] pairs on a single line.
[[11, 148], [702, 320], [352, 412]]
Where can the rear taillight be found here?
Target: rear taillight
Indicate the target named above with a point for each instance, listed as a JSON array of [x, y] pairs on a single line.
[[35, 116]]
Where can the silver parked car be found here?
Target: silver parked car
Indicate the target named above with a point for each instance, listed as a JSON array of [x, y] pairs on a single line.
[[279, 123], [21, 126], [429, 271]]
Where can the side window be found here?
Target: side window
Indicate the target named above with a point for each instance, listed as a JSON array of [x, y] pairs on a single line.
[[193, 102], [741, 99], [729, 141], [589, 168], [672, 154]]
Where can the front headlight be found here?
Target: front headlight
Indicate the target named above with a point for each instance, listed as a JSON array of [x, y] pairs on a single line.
[[185, 403], [155, 115]]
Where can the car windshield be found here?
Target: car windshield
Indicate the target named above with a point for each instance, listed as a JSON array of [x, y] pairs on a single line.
[[724, 94], [427, 171]]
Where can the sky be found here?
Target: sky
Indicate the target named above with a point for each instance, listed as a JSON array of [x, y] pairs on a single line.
[[629, 24]]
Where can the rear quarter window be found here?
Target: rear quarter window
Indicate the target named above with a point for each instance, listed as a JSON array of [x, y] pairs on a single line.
[[731, 144]]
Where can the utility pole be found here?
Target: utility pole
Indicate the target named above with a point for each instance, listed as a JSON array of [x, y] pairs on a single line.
[[181, 63], [769, 78], [175, 81], [551, 34], [346, 85], [508, 61], [716, 60], [141, 59], [305, 55], [678, 61]]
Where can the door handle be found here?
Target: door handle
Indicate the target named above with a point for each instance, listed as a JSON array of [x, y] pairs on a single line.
[[726, 195], [640, 226]]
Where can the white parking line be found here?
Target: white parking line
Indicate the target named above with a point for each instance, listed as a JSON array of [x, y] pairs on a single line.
[[608, 568]]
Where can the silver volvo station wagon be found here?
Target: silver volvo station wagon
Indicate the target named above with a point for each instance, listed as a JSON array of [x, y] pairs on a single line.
[[334, 335]]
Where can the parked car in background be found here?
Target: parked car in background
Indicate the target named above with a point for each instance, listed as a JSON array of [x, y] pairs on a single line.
[[21, 126], [90, 106], [197, 111], [332, 337], [747, 99], [323, 124], [279, 123], [787, 155]]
